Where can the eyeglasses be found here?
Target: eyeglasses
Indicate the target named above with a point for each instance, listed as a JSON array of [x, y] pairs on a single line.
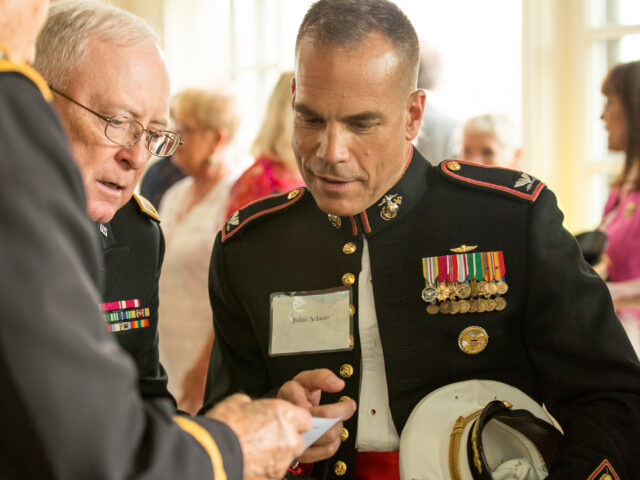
[[127, 131]]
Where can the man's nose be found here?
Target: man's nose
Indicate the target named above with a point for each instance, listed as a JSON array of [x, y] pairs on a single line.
[[136, 156], [333, 145]]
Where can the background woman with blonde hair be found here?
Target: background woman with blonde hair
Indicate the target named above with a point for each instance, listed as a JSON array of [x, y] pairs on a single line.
[[192, 211], [275, 168], [274, 171]]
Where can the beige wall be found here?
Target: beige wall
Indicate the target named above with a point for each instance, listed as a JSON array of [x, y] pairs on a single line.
[[551, 99]]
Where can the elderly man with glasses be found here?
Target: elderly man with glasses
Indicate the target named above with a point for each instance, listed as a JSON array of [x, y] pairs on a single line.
[[111, 88]]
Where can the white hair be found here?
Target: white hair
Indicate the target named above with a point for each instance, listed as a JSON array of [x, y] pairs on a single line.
[[499, 125], [62, 44]]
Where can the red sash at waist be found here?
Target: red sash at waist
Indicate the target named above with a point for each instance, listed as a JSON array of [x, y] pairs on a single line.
[[376, 466]]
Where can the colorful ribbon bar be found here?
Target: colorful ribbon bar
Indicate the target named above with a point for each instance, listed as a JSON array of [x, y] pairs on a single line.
[[119, 305], [121, 327], [126, 314]]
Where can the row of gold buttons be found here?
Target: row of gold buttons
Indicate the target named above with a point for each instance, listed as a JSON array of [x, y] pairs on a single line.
[[346, 370]]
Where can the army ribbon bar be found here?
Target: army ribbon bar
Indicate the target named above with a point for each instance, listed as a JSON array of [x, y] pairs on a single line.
[[123, 326], [119, 305], [465, 282]]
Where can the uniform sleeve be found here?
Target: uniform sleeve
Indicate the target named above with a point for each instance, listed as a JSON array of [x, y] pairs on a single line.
[[70, 402], [236, 359], [586, 368]]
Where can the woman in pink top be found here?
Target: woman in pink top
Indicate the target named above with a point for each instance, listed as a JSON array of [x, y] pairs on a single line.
[[621, 220]]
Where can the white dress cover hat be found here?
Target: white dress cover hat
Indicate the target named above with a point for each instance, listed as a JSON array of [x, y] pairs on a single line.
[[478, 429]]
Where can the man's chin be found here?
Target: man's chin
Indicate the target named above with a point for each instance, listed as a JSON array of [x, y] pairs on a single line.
[[101, 212], [340, 208]]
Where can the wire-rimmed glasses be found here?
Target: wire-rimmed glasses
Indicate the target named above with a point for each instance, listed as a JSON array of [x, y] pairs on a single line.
[[127, 131]]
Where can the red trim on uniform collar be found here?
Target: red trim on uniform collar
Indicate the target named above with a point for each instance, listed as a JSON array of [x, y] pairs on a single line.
[[354, 226], [365, 222]]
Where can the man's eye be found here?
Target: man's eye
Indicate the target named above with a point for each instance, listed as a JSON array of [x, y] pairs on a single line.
[[117, 122], [362, 126], [311, 120]]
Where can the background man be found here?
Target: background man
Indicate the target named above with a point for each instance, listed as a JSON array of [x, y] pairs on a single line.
[[359, 246], [439, 132], [70, 406], [111, 88]]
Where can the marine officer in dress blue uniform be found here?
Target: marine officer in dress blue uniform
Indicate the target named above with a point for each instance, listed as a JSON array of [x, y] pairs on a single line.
[[392, 278]]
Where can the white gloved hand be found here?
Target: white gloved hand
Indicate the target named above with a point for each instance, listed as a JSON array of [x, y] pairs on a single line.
[[518, 469]]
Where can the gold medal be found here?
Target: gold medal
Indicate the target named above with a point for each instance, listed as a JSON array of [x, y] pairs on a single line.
[[473, 305], [482, 305], [455, 308], [452, 291], [433, 309], [465, 306], [475, 291], [482, 288], [502, 287], [491, 305], [445, 307], [473, 340], [463, 290], [501, 304], [492, 288]]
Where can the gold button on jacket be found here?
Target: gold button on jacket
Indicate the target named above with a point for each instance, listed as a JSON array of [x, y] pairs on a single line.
[[346, 370], [349, 248], [340, 468], [348, 279]]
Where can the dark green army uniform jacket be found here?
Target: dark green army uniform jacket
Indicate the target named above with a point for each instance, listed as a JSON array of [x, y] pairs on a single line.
[[554, 334], [133, 248], [70, 402]]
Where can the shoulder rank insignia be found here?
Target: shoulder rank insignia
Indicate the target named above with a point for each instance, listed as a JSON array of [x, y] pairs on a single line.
[[9, 65], [604, 471], [513, 182], [146, 207], [258, 209]]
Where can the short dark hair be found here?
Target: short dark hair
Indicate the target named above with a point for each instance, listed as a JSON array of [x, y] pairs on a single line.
[[349, 22], [623, 80]]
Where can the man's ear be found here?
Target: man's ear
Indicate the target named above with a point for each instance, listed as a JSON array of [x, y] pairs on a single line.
[[293, 90], [415, 109]]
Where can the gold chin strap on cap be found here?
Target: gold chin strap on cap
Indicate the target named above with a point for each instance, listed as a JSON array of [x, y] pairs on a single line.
[[454, 445]]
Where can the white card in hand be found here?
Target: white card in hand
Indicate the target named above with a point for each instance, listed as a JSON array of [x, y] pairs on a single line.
[[319, 426]]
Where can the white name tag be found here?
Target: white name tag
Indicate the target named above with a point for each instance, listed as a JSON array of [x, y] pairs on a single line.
[[311, 322]]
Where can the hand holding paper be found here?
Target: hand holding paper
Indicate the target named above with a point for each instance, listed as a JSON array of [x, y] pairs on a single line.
[[305, 391], [319, 426]]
